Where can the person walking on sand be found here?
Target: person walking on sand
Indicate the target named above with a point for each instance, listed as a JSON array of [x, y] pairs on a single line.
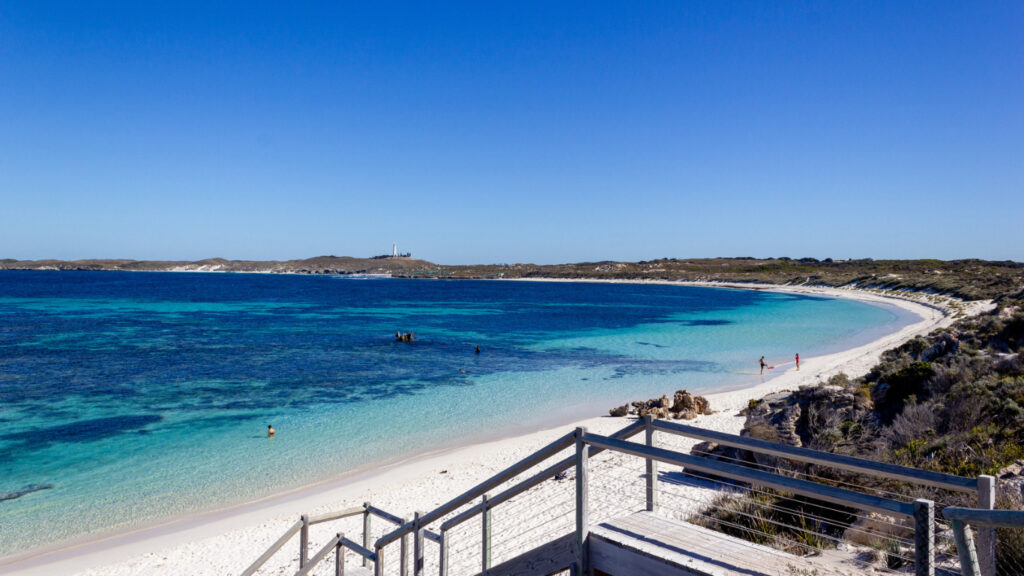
[[762, 365], [797, 360]]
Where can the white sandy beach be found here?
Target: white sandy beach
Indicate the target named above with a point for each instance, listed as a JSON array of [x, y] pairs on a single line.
[[226, 542]]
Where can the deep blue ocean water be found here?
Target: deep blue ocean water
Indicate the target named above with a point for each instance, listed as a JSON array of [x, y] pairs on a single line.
[[127, 398]]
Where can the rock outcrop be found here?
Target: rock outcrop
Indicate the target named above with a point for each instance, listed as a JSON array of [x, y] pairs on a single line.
[[620, 411], [683, 405], [812, 417], [795, 418], [944, 345]]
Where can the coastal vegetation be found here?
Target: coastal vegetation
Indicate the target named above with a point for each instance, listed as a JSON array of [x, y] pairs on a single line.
[[401, 266], [963, 279], [950, 402]]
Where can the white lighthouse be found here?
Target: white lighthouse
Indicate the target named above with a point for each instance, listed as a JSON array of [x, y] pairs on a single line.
[[394, 250]]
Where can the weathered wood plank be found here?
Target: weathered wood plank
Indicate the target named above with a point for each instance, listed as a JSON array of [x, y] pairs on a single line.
[[318, 556], [850, 463], [385, 515], [965, 549], [548, 558], [652, 466], [582, 499], [327, 517], [378, 565], [417, 544], [757, 477], [443, 556], [611, 557], [358, 548], [339, 557], [644, 543], [304, 541], [366, 531], [986, 551], [924, 537], [403, 553], [485, 534], [997, 518], [273, 549]]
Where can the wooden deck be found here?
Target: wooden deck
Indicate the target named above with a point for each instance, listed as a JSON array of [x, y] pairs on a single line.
[[645, 543]]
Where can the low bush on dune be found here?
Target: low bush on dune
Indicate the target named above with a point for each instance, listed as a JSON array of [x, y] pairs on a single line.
[[951, 402]]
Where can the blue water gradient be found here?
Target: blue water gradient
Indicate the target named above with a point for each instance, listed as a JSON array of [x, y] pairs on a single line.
[[132, 397]]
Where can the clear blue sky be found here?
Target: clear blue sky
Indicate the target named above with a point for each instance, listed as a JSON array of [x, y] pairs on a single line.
[[489, 132]]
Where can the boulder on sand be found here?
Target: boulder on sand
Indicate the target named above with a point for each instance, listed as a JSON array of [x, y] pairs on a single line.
[[620, 411]]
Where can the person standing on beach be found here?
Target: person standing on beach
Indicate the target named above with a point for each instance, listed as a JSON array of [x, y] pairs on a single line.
[[762, 364], [797, 360]]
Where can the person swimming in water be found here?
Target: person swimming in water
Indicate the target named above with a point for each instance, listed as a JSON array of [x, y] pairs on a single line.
[[270, 431]]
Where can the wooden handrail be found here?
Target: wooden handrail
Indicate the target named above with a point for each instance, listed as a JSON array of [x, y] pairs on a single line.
[[327, 517], [358, 549], [385, 515], [519, 488], [273, 548], [549, 472], [480, 489], [850, 463], [756, 477], [961, 520], [982, 517], [534, 480], [502, 477], [319, 556]]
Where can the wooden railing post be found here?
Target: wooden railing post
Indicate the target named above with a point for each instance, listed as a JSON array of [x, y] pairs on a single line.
[[403, 553], [582, 502], [378, 560], [417, 545], [485, 536], [987, 534], [965, 548], [339, 557], [304, 542], [443, 556], [652, 467], [366, 532], [924, 538]]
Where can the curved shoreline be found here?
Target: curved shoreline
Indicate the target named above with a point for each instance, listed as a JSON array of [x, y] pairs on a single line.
[[228, 539]]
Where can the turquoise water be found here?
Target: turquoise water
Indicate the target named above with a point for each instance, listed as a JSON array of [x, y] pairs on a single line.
[[127, 398]]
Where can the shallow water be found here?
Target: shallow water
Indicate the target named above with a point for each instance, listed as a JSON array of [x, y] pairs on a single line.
[[131, 397]]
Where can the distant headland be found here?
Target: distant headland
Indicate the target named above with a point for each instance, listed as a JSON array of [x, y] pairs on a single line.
[[966, 279]]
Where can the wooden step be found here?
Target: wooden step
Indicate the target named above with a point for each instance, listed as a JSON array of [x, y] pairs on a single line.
[[645, 543]]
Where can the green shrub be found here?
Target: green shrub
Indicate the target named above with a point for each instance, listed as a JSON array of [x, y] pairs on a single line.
[[892, 391]]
